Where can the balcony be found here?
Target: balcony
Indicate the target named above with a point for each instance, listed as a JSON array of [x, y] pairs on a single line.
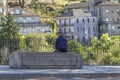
[[61, 25]]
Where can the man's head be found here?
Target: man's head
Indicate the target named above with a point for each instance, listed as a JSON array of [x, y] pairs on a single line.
[[59, 34]]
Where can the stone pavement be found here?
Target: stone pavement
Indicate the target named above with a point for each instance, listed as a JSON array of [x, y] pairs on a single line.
[[87, 73]]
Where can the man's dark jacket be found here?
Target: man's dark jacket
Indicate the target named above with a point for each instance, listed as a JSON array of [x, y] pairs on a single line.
[[61, 44]]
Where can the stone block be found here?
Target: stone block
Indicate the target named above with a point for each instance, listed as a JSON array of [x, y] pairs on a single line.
[[45, 60]]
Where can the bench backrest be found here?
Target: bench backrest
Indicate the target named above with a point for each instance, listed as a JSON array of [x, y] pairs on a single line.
[[48, 59]]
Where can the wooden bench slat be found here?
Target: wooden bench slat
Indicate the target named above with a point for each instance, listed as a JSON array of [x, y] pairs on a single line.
[[48, 63], [48, 55], [49, 59]]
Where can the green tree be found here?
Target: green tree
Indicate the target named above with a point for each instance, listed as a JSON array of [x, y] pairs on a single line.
[[54, 27], [83, 0], [50, 39], [106, 50], [9, 34], [74, 46], [37, 43]]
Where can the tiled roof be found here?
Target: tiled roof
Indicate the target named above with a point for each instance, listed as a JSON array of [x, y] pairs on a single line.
[[34, 24], [24, 13], [77, 5], [107, 3]]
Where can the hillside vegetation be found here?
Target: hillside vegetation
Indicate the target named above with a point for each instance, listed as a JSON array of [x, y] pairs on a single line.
[[49, 9]]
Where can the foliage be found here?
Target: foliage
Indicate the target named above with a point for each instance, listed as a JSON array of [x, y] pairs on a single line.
[[37, 43], [50, 39], [54, 28], [74, 46], [9, 34], [46, 9], [4, 55], [78, 0], [106, 50], [83, 0]]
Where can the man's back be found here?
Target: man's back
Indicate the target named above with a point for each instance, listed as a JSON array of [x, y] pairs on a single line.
[[61, 44]]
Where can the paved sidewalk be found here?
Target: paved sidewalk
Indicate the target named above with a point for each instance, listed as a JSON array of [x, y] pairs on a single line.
[[66, 74]]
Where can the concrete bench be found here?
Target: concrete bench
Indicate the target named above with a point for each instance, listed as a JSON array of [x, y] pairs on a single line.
[[44, 60]]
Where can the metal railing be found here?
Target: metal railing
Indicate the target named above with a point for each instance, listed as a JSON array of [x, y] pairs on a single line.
[[96, 53]]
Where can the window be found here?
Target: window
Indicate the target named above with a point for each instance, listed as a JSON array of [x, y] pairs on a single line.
[[89, 38], [107, 11], [112, 19], [93, 20], [72, 37], [88, 20], [60, 29], [82, 20], [65, 22], [69, 20], [78, 29], [83, 39], [64, 30], [89, 30], [66, 11], [117, 10], [106, 19], [119, 27], [24, 18], [77, 20], [94, 29], [0, 10], [25, 30], [112, 11], [60, 21], [38, 30], [83, 29], [69, 29], [118, 19], [33, 30]]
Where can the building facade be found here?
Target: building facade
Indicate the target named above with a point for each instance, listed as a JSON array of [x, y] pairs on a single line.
[[82, 29], [3, 8], [108, 12], [85, 28], [66, 26], [30, 23], [77, 23]]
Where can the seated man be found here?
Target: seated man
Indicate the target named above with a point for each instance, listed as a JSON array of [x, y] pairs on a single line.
[[61, 43]]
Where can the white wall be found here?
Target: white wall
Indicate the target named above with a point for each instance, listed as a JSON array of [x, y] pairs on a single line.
[[27, 19], [87, 33]]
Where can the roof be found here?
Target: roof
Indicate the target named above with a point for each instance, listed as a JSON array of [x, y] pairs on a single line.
[[22, 13], [67, 17], [78, 5], [34, 24], [77, 12], [107, 3]]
